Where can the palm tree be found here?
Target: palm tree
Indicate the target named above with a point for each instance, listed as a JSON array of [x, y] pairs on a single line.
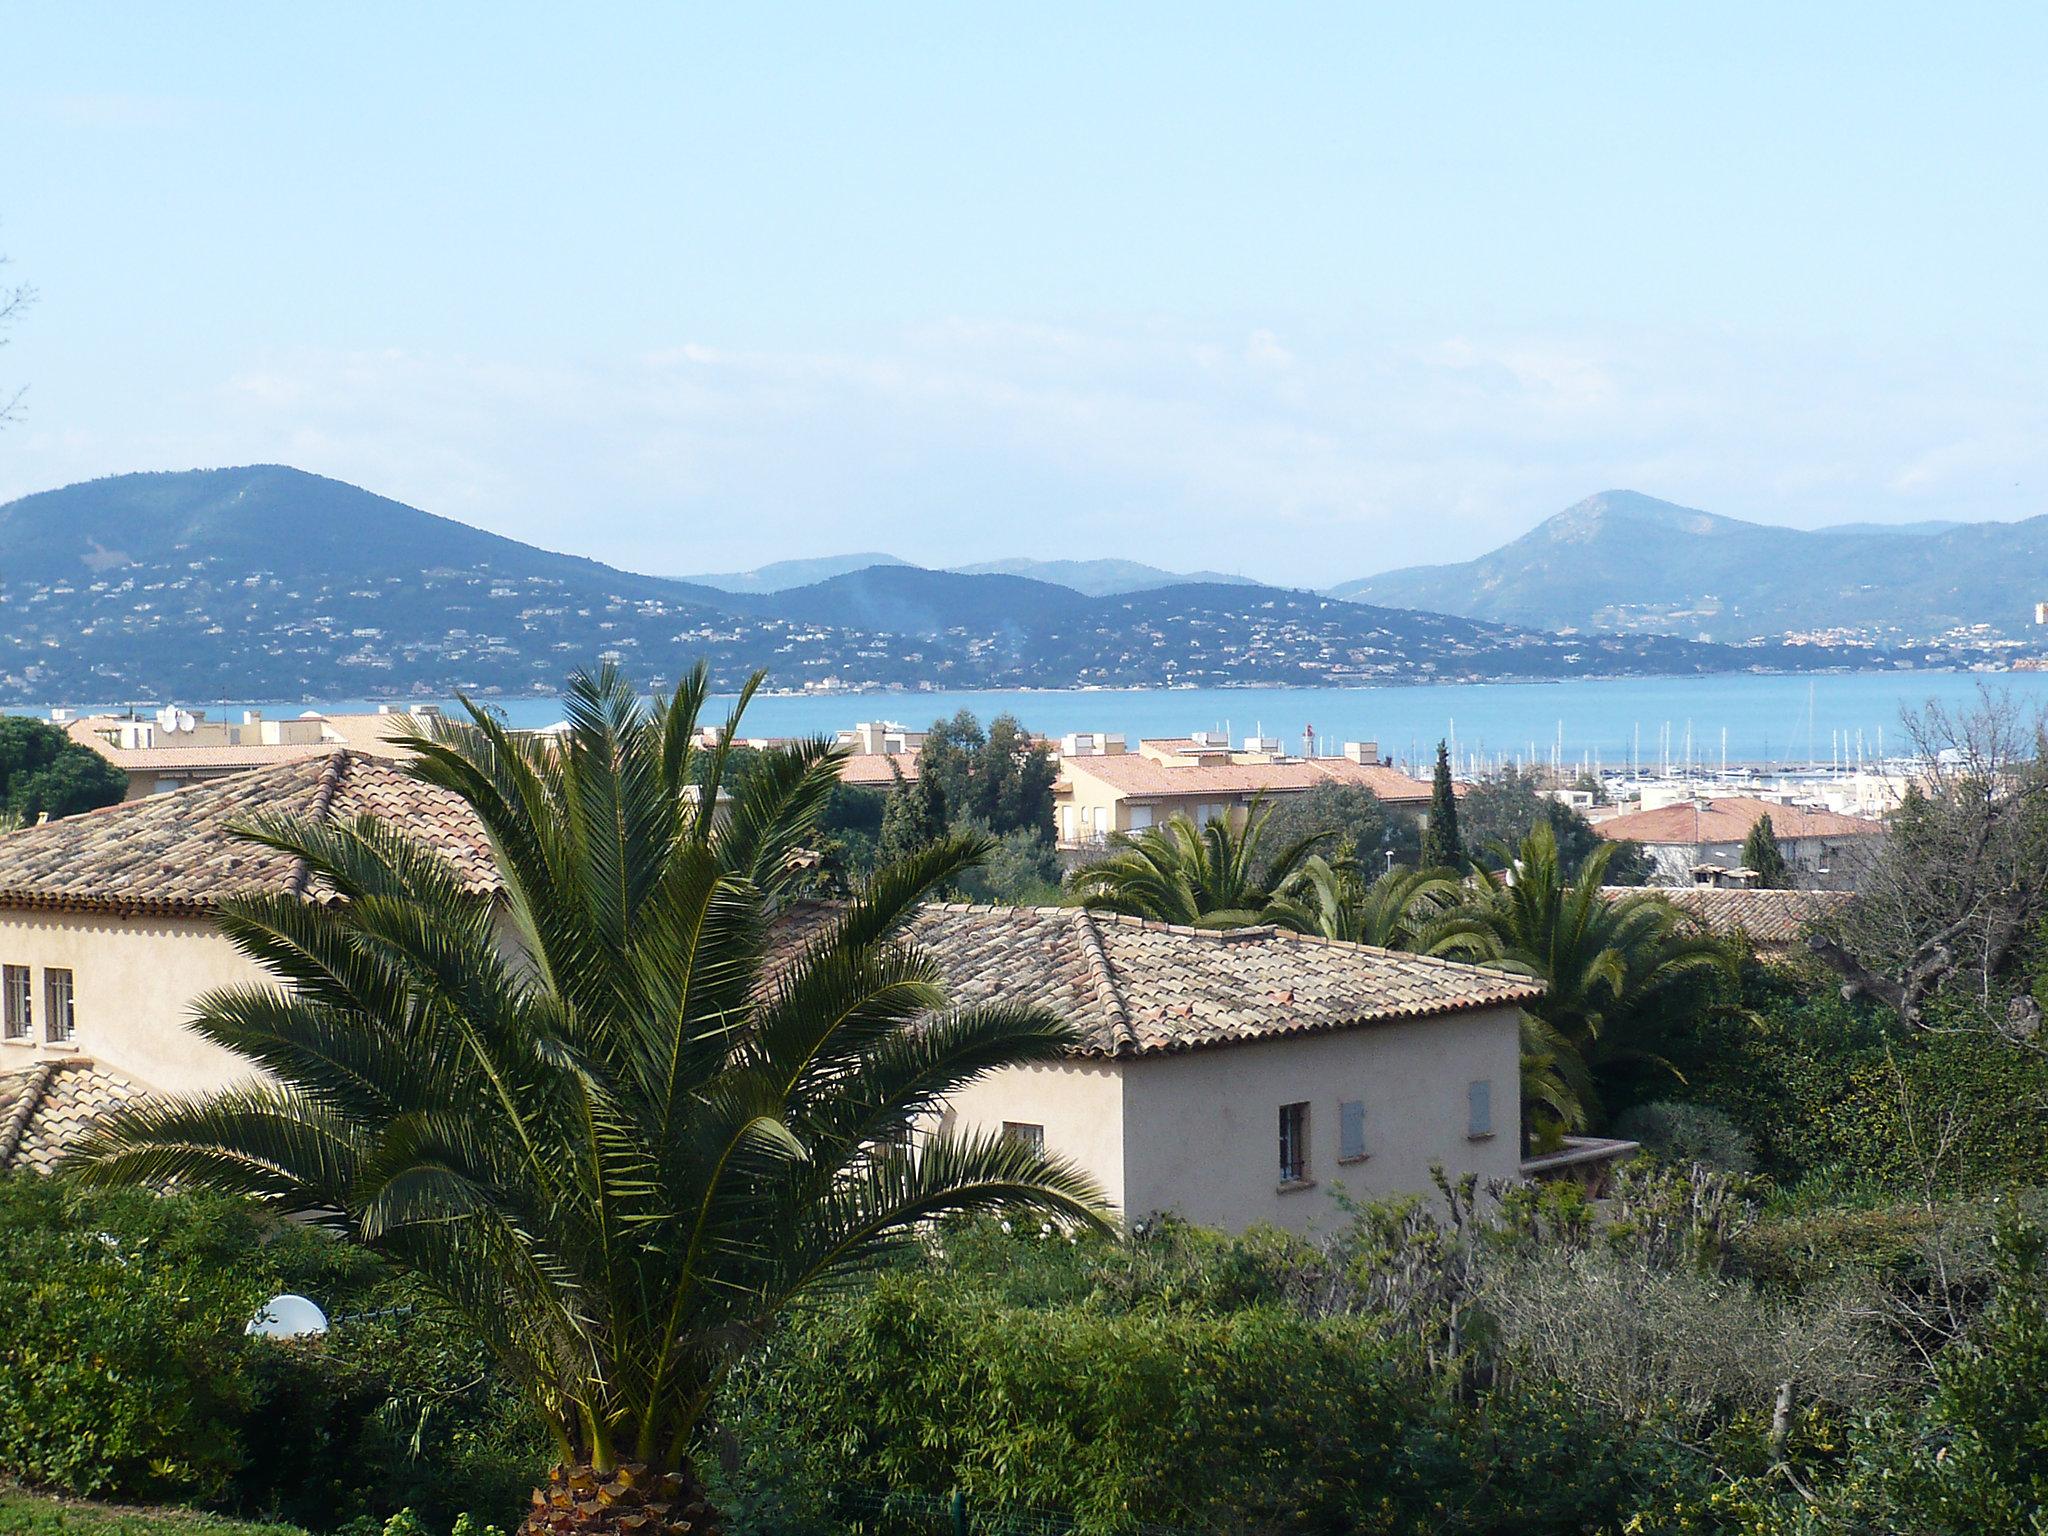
[[1613, 971], [610, 1121], [1205, 877], [1406, 909]]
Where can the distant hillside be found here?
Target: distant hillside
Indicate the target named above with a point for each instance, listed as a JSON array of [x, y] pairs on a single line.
[[1101, 578], [267, 583], [1622, 561], [263, 518], [1096, 578], [909, 600], [781, 575]]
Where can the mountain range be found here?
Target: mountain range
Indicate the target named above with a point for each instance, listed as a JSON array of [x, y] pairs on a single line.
[[1096, 578], [1629, 563], [267, 582]]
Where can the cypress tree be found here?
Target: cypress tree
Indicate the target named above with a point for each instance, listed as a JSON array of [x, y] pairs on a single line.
[[1441, 848], [1760, 852]]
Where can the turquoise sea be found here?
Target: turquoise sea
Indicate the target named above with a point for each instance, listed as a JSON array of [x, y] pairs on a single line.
[[1785, 719]]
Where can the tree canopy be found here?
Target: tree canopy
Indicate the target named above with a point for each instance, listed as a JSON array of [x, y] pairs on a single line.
[[1499, 812], [1362, 828], [998, 779], [44, 772]]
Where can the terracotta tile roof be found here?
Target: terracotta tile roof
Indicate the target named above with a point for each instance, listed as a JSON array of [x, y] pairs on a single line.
[[1773, 919], [44, 1109], [175, 852], [870, 770], [1141, 988], [1728, 820], [1139, 777]]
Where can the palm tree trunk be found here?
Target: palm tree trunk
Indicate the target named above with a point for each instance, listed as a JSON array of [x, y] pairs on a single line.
[[630, 1500]]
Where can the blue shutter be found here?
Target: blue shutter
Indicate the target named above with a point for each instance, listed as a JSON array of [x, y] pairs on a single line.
[[1351, 1129], [1479, 1108]]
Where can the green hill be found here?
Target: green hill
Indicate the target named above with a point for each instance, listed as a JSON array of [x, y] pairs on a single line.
[[1623, 561]]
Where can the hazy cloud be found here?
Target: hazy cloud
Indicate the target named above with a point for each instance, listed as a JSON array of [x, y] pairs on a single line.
[[1307, 460]]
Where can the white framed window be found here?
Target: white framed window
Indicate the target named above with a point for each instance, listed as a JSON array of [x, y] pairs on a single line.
[[1024, 1134], [1294, 1143], [17, 1008], [1479, 1108], [59, 1024], [1351, 1131]]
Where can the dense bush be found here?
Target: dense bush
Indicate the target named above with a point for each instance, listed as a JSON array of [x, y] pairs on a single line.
[[43, 772], [1821, 1084], [1532, 1366], [1256, 1419], [1689, 1133], [125, 1371]]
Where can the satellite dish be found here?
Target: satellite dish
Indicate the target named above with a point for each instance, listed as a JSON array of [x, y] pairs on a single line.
[[288, 1317]]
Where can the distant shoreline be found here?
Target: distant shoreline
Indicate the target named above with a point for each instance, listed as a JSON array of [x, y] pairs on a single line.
[[370, 703]]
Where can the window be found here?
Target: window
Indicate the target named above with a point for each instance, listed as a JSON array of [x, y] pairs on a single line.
[[58, 1023], [1293, 1143], [15, 999], [1351, 1131], [1479, 1109], [1025, 1134]]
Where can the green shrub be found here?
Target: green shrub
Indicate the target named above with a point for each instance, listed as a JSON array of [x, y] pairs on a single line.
[[1821, 1084], [122, 1355], [125, 1371], [1252, 1419], [1690, 1133]]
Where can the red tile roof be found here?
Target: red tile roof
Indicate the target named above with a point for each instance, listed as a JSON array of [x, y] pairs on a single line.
[[870, 770], [1138, 988], [1773, 919], [1139, 777], [176, 853], [1728, 820], [48, 1106]]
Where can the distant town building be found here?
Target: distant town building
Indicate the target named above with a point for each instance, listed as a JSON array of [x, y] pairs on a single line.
[[173, 747], [877, 750], [1104, 789], [1702, 839]]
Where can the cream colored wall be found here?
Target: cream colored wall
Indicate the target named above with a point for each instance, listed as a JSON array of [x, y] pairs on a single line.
[[1201, 1128], [1080, 1104], [1079, 800], [134, 980]]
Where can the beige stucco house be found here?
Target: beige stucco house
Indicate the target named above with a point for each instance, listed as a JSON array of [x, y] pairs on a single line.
[[1104, 789], [1230, 1077]]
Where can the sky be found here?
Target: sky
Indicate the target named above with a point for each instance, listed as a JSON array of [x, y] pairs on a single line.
[[1304, 292]]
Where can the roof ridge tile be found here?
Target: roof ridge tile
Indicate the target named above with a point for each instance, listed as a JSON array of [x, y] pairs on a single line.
[[1104, 976], [35, 1083]]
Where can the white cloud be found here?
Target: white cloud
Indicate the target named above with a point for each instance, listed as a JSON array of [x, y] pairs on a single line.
[[1305, 461]]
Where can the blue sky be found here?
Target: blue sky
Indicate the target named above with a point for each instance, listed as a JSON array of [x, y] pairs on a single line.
[[1301, 291]]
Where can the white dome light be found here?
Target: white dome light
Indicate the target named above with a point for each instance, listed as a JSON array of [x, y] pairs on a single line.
[[288, 1317]]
